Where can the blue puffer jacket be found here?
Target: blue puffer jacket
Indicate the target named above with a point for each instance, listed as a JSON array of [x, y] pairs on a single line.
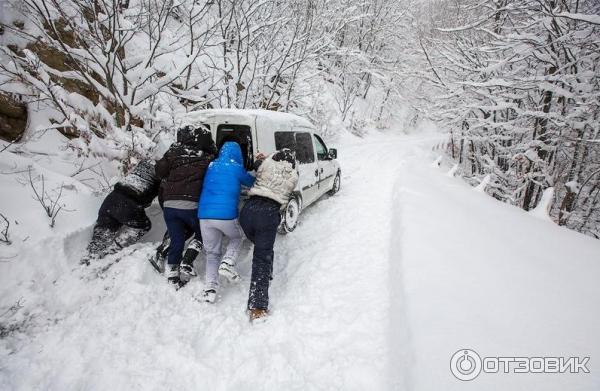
[[222, 184]]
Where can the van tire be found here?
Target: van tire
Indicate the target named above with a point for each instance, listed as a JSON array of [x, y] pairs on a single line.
[[289, 216], [337, 184]]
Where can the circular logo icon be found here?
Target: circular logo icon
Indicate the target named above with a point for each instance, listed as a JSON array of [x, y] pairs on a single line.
[[465, 364]]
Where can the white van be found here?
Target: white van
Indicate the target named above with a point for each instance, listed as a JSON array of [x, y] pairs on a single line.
[[263, 131]]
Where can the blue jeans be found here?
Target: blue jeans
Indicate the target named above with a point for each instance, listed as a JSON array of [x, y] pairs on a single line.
[[259, 219], [178, 222]]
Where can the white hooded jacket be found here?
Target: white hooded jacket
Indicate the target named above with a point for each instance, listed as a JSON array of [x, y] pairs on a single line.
[[275, 180]]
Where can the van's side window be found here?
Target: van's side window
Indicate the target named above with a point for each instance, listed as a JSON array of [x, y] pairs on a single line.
[[304, 148], [285, 140], [322, 153]]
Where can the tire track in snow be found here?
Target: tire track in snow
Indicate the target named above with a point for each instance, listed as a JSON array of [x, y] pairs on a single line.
[[401, 345], [325, 292], [367, 220]]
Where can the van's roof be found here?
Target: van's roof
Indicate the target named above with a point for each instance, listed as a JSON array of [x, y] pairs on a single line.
[[246, 116]]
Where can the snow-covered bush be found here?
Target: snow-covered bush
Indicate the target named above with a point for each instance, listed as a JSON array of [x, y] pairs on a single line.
[[106, 69], [517, 85]]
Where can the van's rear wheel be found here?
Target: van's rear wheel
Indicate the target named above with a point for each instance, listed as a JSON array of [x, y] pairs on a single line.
[[289, 217], [337, 183]]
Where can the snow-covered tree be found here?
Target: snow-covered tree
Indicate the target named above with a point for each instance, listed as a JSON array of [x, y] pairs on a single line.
[[519, 88]]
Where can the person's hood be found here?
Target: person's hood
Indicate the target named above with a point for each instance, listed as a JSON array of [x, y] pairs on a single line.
[[231, 151]]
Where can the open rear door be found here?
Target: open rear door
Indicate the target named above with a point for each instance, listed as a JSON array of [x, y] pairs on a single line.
[[242, 135]]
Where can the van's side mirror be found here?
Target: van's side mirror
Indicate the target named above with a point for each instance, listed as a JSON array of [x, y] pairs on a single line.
[[332, 153]]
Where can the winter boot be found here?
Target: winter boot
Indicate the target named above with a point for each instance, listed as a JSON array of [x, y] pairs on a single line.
[[227, 270], [190, 255], [158, 263], [257, 314], [162, 251], [163, 248], [209, 295], [172, 274]]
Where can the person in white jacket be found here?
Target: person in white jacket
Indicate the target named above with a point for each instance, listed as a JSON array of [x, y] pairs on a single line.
[[276, 179]]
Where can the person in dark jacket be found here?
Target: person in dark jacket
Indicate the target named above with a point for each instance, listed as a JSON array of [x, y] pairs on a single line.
[[218, 212], [122, 218], [181, 171], [276, 179], [162, 251]]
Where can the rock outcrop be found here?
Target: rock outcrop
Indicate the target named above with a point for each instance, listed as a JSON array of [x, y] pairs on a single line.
[[13, 118]]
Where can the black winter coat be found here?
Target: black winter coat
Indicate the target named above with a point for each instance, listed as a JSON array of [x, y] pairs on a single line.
[[141, 184], [182, 170]]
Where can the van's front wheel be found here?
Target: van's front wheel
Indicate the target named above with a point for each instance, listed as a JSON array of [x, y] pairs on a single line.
[[337, 183], [289, 217]]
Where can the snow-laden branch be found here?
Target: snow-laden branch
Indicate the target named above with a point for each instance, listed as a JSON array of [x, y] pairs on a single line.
[[588, 18]]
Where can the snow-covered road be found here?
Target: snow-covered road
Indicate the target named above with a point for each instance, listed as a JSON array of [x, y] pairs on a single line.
[[376, 289]]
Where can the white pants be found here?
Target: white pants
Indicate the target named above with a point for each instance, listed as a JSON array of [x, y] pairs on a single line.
[[213, 232]]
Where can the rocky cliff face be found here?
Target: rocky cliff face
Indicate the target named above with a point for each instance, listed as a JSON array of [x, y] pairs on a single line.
[[66, 75], [13, 118]]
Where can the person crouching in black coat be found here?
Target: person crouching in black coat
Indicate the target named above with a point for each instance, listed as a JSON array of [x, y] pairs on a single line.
[[181, 171], [122, 219]]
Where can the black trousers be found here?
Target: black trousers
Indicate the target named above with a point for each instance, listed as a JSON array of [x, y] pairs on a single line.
[[121, 222], [259, 219]]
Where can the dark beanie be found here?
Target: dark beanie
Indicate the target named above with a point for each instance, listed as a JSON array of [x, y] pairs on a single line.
[[285, 154], [197, 138], [204, 141], [185, 135]]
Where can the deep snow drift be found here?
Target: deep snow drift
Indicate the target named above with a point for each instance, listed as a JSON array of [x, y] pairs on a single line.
[[376, 289]]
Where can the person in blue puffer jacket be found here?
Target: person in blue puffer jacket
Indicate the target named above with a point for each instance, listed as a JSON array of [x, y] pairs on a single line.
[[218, 213]]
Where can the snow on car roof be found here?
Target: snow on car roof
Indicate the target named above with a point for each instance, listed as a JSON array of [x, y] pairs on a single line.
[[245, 115]]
